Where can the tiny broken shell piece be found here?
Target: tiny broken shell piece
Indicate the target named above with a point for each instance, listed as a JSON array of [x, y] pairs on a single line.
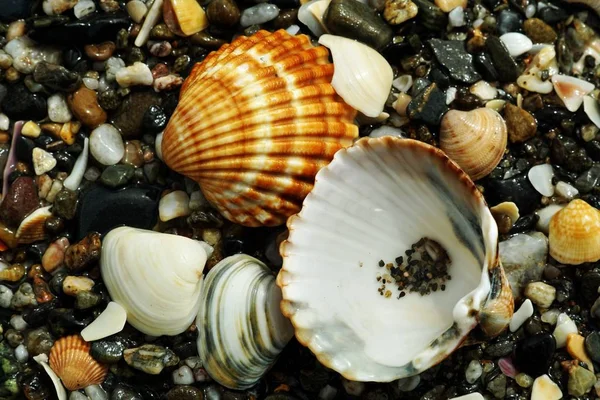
[[362, 77], [506, 208], [74, 179], [530, 80], [71, 360], [311, 15], [571, 90], [496, 314], [32, 228], [111, 321], [592, 109], [574, 234], [152, 19], [516, 43], [184, 17], [521, 315], [42, 359], [540, 177], [475, 140]]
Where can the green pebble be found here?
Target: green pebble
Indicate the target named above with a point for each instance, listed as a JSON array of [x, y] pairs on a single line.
[[581, 381], [117, 175], [524, 380]]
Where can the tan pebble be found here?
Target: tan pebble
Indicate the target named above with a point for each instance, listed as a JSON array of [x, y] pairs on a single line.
[[540, 293], [13, 273], [56, 187], [576, 348], [52, 128], [54, 256], [449, 5], [133, 154], [12, 75], [31, 130], [545, 389], [69, 131], [16, 29], [401, 104], [4, 137], [399, 11], [84, 105], [100, 52], [539, 31], [75, 284], [520, 124], [44, 183]]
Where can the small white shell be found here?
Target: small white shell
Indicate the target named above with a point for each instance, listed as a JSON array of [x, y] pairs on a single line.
[[540, 177], [111, 321], [42, 359], [571, 90], [174, 205], [592, 109], [311, 15], [516, 43], [544, 60], [156, 277], [362, 77]]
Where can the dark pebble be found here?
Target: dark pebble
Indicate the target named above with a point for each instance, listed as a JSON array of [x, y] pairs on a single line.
[[20, 103], [431, 16], [103, 209], [56, 77], [593, 149], [507, 68], [12, 10], [65, 204], [233, 246], [154, 120], [87, 299], [64, 160], [94, 28], [223, 13], [483, 63], [117, 175], [509, 21], [38, 315], [551, 117], [429, 106], [64, 320], [285, 19], [205, 218], [533, 355], [451, 54], [499, 349], [82, 254], [122, 392], [592, 345], [74, 60], [130, 115], [355, 20], [517, 189], [38, 341], [108, 351], [36, 388], [565, 289], [589, 283], [186, 349], [13, 337], [20, 200], [552, 14], [109, 100], [184, 392], [589, 179], [24, 148]]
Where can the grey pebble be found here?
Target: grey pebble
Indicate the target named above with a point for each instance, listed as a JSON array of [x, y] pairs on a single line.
[[259, 14]]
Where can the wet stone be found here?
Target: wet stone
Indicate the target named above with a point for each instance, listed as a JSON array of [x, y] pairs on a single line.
[[592, 345], [122, 392], [429, 106], [149, 358], [539, 31], [100, 52], [130, 115], [154, 119], [223, 13], [452, 55], [19, 103], [552, 15], [87, 299], [517, 189], [13, 337], [520, 124], [56, 77], [581, 380], [285, 19], [184, 392], [589, 179], [589, 283], [12, 10], [499, 349], [431, 16], [83, 253], [117, 175], [109, 100], [507, 68], [484, 65], [63, 321], [20, 200], [497, 386], [93, 28], [508, 21], [107, 351], [84, 106], [355, 20], [533, 355], [37, 316], [38, 341], [65, 204]]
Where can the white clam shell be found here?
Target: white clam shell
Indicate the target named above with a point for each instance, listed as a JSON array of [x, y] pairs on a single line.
[[516, 43], [156, 277], [373, 201], [571, 90], [241, 328], [362, 77]]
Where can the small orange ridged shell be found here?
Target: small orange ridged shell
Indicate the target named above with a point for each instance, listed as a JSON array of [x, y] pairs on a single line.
[[474, 139], [574, 236], [71, 360], [32, 228], [256, 121]]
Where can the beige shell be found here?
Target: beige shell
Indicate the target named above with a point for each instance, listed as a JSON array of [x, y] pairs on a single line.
[[474, 139], [574, 236], [71, 360], [32, 228], [255, 122], [184, 17], [499, 308]]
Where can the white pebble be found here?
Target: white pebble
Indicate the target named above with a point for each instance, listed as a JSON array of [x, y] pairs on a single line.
[[470, 396], [564, 327], [4, 122], [403, 83], [137, 10], [95, 392], [540, 293], [258, 14], [6, 296], [563, 189], [540, 177], [83, 8], [21, 353], [484, 90], [327, 393], [551, 316], [174, 205], [42, 161], [183, 376], [473, 371], [545, 389], [456, 17], [91, 83], [56, 7], [521, 315], [545, 215], [136, 74], [293, 29], [106, 145], [17, 322], [77, 396], [58, 110], [451, 94], [112, 66], [530, 11], [516, 43]]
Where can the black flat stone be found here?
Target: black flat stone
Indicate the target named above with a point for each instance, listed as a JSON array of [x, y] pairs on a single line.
[[508, 70], [451, 54], [533, 355], [103, 209], [95, 28], [517, 189]]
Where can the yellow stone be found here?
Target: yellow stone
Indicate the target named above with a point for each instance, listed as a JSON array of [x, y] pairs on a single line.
[[449, 5], [31, 130], [576, 349], [75, 284]]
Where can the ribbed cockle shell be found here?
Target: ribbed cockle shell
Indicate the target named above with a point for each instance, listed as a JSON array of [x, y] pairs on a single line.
[[474, 139], [255, 122], [574, 236], [71, 360]]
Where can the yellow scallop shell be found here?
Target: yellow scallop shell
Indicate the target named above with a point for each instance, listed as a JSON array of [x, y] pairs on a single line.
[[255, 122], [70, 359], [574, 236]]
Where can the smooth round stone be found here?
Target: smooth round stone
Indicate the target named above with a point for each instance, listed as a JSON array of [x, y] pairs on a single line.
[[58, 110], [21, 353], [84, 105], [473, 371], [108, 351], [592, 345], [509, 21], [117, 175], [185, 392], [106, 145], [183, 376], [130, 115], [154, 119], [224, 13], [258, 14], [533, 355]]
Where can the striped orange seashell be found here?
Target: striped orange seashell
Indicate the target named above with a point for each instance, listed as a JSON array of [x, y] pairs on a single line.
[[256, 121], [70, 359]]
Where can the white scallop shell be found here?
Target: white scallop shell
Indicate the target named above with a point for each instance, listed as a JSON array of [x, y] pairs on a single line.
[[155, 276], [241, 328], [373, 201]]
